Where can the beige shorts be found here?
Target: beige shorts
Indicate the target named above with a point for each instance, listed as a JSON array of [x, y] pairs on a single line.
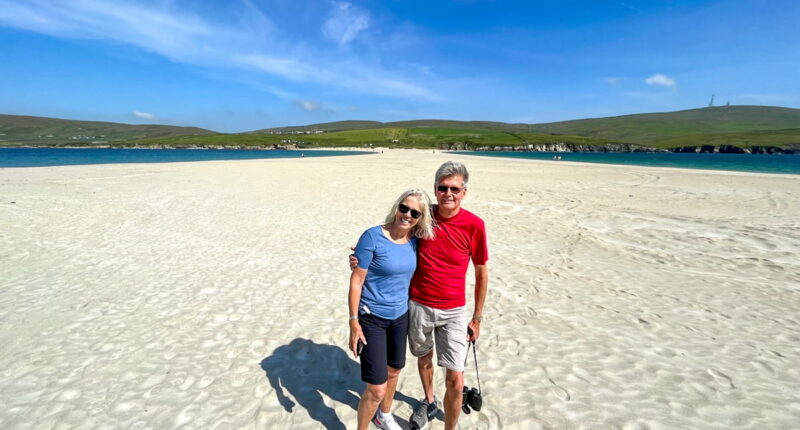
[[446, 327]]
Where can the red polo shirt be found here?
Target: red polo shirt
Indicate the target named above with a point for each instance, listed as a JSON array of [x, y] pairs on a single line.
[[442, 262]]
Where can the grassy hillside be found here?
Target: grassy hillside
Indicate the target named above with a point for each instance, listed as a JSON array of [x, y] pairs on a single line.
[[656, 129], [419, 137], [788, 138], [742, 126], [30, 130]]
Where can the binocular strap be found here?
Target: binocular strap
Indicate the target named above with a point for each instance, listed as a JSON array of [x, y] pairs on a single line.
[[475, 356]]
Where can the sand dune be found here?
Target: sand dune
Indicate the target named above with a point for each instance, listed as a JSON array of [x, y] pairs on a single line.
[[212, 294]]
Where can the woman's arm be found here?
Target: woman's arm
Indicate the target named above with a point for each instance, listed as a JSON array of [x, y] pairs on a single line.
[[353, 298]]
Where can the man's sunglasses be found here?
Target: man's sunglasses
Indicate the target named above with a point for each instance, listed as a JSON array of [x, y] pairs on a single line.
[[404, 209], [444, 188]]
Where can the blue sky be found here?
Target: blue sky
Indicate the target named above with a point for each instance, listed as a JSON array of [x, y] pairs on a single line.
[[240, 65]]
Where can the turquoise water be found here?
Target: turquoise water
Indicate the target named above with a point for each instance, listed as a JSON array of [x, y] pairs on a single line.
[[736, 162], [39, 157]]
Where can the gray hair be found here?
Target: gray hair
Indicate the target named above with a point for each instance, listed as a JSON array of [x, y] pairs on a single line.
[[452, 168], [425, 223]]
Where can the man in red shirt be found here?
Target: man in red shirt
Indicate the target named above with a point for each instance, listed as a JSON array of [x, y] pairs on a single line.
[[437, 309]]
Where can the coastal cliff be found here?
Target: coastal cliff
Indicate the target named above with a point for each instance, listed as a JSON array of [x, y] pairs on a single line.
[[621, 147]]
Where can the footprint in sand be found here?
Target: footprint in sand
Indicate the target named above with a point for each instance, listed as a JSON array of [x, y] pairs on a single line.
[[532, 312], [559, 391], [489, 420], [190, 380], [763, 367], [721, 378], [776, 353], [205, 381]]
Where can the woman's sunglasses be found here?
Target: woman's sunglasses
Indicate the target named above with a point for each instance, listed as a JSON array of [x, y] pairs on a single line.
[[444, 188], [404, 209]]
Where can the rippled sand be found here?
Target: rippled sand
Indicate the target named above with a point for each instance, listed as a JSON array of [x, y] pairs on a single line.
[[212, 294]]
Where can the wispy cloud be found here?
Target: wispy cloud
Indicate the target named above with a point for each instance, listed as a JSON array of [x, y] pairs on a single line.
[[144, 115], [661, 80], [250, 44], [344, 23], [627, 6], [308, 105], [613, 81]]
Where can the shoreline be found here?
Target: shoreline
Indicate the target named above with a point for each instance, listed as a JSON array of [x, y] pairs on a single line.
[[543, 148], [378, 150]]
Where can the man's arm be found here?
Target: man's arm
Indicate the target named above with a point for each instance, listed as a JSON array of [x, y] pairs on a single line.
[[481, 286]]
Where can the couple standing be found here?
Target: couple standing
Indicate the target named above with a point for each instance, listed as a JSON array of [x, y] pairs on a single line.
[[420, 253]]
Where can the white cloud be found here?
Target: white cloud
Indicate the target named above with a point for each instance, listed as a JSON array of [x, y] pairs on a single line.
[[308, 105], [144, 115], [613, 81], [661, 80], [344, 23], [251, 44]]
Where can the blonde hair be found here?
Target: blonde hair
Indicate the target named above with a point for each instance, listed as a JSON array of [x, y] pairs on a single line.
[[425, 223]]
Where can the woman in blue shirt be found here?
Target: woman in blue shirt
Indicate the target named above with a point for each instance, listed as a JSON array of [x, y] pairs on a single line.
[[378, 302]]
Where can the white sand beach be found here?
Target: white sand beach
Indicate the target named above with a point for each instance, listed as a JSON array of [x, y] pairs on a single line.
[[212, 295]]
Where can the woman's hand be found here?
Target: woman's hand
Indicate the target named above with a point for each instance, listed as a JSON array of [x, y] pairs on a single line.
[[355, 335]]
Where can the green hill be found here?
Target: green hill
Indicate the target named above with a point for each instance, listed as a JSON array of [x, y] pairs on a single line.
[[743, 126], [417, 137], [31, 130], [760, 128], [788, 138], [657, 129]]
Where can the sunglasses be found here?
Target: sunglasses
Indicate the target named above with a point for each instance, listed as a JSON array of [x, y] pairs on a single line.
[[404, 209], [444, 188]]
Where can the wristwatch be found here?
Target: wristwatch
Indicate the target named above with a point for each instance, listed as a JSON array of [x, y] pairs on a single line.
[[477, 318], [353, 317]]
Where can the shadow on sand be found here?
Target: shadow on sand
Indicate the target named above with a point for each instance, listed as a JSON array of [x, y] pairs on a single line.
[[306, 370]]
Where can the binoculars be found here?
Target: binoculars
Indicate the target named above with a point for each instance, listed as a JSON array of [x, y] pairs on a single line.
[[471, 398]]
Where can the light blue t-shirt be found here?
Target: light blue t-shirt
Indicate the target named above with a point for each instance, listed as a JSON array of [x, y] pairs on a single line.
[[389, 270]]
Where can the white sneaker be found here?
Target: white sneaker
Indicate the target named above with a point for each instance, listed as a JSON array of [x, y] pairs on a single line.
[[385, 422]]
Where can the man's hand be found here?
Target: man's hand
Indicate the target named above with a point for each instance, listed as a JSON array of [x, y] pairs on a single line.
[[473, 330], [353, 259]]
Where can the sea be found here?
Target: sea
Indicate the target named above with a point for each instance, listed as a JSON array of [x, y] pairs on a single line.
[[41, 157], [761, 163]]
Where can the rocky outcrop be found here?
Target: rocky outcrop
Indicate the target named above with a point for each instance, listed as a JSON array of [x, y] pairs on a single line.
[[550, 147], [732, 149], [262, 147], [620, 147]]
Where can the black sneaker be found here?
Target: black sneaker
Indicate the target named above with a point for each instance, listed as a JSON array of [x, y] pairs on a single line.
[[423, 414]]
